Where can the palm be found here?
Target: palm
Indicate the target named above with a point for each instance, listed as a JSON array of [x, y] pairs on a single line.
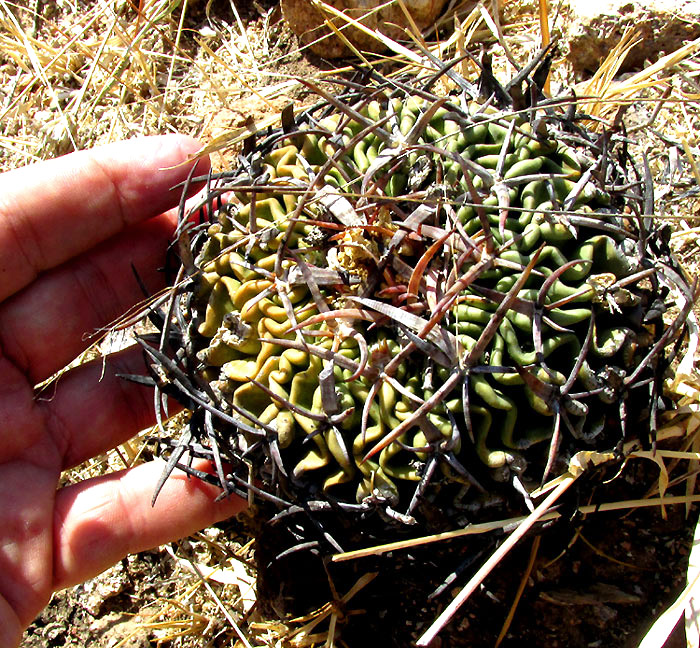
[[27, 487], [69, 232]]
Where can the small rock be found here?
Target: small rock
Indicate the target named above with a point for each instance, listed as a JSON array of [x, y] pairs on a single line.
[[54, 632], [604, 615], [108, 584], [213, 534], [118, 629], [595, 27], [207, 32]]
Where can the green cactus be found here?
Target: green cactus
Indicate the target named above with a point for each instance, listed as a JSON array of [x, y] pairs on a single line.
[[397, 282]]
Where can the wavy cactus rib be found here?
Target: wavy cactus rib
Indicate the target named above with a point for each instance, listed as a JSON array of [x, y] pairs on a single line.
[[400, 280]]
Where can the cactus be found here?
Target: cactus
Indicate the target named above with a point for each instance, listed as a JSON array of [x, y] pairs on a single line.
[[400, 300]]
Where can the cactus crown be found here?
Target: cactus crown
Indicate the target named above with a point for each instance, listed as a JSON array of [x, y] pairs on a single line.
[[399, 300]]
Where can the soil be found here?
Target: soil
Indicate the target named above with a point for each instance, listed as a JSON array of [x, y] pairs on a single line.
[[598, 581], [595, 582]]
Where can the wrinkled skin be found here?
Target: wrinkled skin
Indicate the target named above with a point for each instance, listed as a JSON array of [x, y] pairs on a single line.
[[69, 231]]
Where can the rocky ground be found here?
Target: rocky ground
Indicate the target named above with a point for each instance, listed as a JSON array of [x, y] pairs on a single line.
[[77, 74]]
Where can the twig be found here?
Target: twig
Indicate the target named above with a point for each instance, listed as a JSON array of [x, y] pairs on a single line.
[[493, 561], [519, 593]]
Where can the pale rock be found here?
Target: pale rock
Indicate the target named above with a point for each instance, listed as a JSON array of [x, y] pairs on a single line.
[[119, 630], [108, 584], [307, 21], [594, 27]]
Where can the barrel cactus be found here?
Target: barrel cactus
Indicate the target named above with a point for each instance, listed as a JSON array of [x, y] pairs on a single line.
[[406, 300]]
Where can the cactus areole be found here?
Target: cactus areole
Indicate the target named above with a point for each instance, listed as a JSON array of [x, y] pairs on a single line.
[[416, 296]]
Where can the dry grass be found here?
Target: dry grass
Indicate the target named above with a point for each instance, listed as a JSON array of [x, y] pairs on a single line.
[[84, 74], [79, 74]]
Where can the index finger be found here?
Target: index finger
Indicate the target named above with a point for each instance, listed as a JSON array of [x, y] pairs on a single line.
[[55, 210]]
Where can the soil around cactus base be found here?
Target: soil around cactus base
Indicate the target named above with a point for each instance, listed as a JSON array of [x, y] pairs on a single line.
[[598, 581], [583, 599], [112, 607]]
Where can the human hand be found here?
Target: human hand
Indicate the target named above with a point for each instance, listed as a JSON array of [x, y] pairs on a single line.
[[69, 231]]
